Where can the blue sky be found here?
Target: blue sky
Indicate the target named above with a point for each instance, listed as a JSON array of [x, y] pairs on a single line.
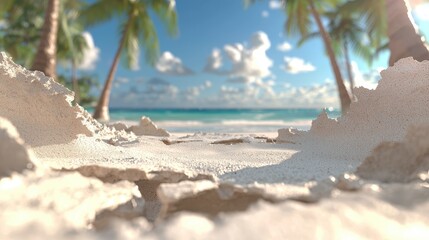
[[254, 65]]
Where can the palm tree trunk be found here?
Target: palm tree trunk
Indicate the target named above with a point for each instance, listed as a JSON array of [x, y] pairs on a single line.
[[349, 66], [404, 40], [342, 91], [102, 109], [45, 59], [75, 83]]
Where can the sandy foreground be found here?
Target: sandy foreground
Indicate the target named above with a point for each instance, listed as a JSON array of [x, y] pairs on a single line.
[[63, 175]]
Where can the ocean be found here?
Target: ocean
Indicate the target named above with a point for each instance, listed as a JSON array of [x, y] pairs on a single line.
[[223, 120]]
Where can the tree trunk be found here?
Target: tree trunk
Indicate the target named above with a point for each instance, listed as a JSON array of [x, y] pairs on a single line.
[[102, 109], [75, 83], [404, 40], [342, 91], [349, 66], [45, 59]]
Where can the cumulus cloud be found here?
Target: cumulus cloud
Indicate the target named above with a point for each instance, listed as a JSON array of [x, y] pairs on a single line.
[[192, 93], [233, 96], [150, 93], [296, 65], [90, 54], [275, 4], [171, 65], [214, 61], [248, 63], [157, 92], [284, 47], [317, 95], [265, 14]]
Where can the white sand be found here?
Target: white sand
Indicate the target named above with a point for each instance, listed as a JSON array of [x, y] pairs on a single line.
[[144, 128], [14, 155], [217, 186]]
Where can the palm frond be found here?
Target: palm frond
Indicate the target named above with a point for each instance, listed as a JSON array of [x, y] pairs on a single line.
[[131, 51], [149, 37], [308, 37], [5, 6], [102, 10], [166, 12], [298, 17]]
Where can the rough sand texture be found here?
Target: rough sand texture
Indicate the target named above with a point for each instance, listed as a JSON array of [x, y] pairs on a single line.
[[401, 99], [399, 161], [14, 155], [42, 112], [39, 107], [147, 127], [52, 205], [216, 186]]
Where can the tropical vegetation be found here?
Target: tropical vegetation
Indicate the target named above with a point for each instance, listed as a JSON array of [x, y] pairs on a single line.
[[387, 24], [136, 28], [347, 34]]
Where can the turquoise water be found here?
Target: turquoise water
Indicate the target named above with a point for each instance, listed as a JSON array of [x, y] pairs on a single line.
[[223, 120]]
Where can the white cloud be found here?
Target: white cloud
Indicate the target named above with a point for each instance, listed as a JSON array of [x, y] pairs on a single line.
[[159, 89], [158, 92], [154, 92], [191, 93], [238, 96], [171, 65], [275, 4], [251, 62], [90, 54], [316, 95], [214, 62], [265, 14], [296, 65], [284, 47]]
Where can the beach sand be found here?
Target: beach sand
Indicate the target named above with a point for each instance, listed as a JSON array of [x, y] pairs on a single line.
[[63, 175]]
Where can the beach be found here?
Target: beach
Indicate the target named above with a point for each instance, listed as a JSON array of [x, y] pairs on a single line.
[[222, 120], [363, 175]]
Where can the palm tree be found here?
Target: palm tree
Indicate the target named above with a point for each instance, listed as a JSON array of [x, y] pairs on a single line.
[[390, 18], [136, 27], [299, 14], [71, 41], [23, 21], [346, 33], [45, 60], [343, 94]]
